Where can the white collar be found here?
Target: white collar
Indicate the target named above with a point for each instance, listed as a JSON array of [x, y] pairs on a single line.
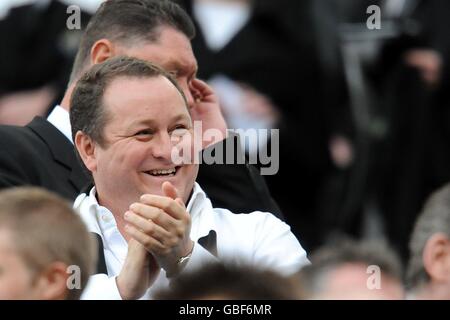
[[60, 118], [198, 207]]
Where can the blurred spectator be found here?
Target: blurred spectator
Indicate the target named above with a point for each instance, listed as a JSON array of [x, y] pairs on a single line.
[[404, 152], [411, 78], [428, 274], [350, 270], [238, 44], [45, 249], [35, 63], [229, 282]]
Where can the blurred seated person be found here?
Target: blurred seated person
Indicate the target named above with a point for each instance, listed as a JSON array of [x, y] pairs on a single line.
[[428, 273], [46, 252], [238, 45], [349, 270], [229, 282], [36, 58], [134, 133]]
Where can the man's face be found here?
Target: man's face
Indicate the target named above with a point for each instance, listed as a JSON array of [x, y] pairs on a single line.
[[15, 278], [173, 52], [144, 115]]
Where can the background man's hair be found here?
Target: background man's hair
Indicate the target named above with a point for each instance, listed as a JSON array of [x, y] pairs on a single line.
[[128, 22], [434, 218], [229, 282], [87, 112], [45, 229], [313, 278]]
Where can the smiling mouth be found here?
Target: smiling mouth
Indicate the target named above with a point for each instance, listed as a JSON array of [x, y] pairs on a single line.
[[163, 172]]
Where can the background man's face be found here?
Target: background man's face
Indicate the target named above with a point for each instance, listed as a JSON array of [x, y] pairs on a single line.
[[173, 52], [350, 282], [144, 115]]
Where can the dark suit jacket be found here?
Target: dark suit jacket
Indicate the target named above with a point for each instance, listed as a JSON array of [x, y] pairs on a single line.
[[40, 155]]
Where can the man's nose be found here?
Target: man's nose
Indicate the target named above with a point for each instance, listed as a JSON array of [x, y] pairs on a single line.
[[162, 149]]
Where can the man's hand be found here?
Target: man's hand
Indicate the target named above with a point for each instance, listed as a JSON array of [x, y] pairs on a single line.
[[162, 225], [258, 105], [342, 151], [206, 109], [138, 272], [428, 62]]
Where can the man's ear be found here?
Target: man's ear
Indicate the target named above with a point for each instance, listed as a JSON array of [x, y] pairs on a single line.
[[102, 50], [52, 282], [436, 257], [86, 149]]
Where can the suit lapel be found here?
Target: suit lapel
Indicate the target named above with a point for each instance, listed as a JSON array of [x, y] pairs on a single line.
[[61, 149]]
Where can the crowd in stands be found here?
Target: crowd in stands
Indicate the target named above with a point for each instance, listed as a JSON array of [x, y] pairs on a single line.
[[107, 129]]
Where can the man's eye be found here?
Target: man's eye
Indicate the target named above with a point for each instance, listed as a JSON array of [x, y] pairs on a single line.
[[143, 132], [174, 73], [179, 131]]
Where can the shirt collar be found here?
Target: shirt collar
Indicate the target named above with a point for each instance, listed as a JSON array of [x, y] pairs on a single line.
[[60, 118], [201, 211]]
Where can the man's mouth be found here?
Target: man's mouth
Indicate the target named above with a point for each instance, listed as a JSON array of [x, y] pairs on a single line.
[[163, 172]]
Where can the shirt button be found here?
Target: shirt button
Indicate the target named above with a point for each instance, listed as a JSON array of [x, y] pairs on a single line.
[[106, 219]]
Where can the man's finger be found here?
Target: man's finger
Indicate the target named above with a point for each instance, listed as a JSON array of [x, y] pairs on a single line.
[[157, 215], [171, 207], [149, 243], [147, 226], [169, 190]]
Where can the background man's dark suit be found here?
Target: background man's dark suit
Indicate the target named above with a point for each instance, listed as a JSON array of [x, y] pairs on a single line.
[[39, 154]]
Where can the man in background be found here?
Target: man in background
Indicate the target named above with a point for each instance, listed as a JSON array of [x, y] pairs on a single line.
[[352, 271], [428, 274], [46, 252], [42, 152]]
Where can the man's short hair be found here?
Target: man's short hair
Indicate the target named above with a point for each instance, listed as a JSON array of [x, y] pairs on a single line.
[[229, 282], [130, 21], [87, 111], [313, 278], [434, 218], [45, 229]]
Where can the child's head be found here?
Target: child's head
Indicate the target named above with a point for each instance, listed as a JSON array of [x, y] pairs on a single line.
[[46, 251]]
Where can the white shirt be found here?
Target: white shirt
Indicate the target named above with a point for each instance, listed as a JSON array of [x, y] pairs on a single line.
[[220, 21], [257, 238], [60, 118]]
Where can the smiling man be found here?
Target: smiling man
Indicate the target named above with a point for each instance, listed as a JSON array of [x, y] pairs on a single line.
[[42, 153], [153, 219]]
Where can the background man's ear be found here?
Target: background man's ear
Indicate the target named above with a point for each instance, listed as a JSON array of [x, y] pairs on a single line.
[[436, 257], [86, 149], [52, 282], [102, 50]]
